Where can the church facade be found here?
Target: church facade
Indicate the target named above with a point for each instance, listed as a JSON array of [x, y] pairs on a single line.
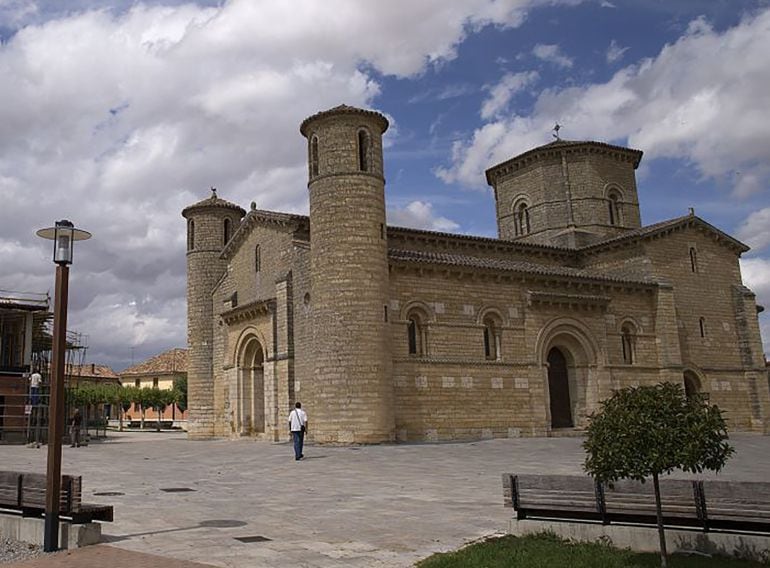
[[393, 334]]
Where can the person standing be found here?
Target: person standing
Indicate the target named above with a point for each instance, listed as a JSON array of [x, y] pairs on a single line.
[[34, 387], [75, 423], [298, 427]]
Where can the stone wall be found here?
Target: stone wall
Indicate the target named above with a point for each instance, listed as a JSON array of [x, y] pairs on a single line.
[[566, 189], [204, 269], [451, 390], [353, 391]]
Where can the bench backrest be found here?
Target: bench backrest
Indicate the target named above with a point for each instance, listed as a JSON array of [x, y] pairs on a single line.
[[27, 491], [10, 488], [678, 498], [737, 501], [551, 492]]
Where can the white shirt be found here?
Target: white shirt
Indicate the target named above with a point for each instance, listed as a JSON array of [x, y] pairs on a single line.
[[34, 380], [297, 419]]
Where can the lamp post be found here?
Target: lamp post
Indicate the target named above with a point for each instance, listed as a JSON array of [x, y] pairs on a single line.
[[63, 235]]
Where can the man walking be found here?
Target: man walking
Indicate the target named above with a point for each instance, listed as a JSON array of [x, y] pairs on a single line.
[[298, 427]]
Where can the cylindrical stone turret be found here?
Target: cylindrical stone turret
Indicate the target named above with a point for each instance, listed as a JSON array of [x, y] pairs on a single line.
[[210, 224], [351, 395]]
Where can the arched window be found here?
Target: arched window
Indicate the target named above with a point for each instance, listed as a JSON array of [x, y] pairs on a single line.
[[693, 259], [226, 231], [627, 344], [521, 219], [612, 204], [363, 150], [313, 155], [257, 259], [416, 334], [702, 327], [190, 234], [491, 338]]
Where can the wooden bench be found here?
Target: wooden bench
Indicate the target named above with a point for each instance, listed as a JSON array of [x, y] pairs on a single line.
[[726, 505], [736, 505], [25, 492]]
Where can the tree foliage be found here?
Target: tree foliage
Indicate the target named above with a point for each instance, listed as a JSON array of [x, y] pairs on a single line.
[[87, 395], [648, 431], [180, 388], [641, 431]]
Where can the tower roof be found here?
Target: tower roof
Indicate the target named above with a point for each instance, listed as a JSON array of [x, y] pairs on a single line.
[[341, 110], [213, 202], [559, 145]]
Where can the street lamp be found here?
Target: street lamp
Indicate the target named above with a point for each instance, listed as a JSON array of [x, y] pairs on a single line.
[[63, 235]]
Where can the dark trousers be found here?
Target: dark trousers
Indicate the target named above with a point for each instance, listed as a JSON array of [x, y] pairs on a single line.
[[299, 439], [75, 435]]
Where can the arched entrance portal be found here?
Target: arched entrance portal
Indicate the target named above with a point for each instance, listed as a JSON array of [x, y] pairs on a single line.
[[691, 384], [558, 388], [251, 388]]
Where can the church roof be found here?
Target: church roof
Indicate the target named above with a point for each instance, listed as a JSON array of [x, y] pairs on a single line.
[[344, 109], [213, 201], [663, 227], [168, 362], [548, 150], [425, 233], [262, 215], [517, 266], [302, 222]]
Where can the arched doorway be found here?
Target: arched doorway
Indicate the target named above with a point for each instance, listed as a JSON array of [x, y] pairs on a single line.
[[558, 389], [251, 388], [691, 384]]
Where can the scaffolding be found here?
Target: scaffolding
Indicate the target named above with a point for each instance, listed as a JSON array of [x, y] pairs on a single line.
[[24, 414]]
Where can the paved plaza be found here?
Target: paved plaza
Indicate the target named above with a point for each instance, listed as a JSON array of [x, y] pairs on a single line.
[[365, 506]]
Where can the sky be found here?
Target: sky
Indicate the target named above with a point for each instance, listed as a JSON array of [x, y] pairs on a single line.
[[116, 115]]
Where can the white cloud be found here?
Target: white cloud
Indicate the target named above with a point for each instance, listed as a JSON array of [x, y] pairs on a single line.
[[755, 231], [444, 93], [16, 11], [552, 53], [615, 52], [606, 4], [501, 93], [117, 118], [420, 215], [703, 99]]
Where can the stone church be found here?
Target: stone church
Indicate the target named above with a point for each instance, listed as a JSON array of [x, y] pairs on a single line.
[[393, 334]]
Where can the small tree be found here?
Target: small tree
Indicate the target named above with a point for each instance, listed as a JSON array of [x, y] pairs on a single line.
[[146, 397], [162, 399], [180, 388], [126, 399], [652, 430]]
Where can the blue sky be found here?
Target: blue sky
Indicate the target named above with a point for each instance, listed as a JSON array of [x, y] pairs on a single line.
[[118, 114]]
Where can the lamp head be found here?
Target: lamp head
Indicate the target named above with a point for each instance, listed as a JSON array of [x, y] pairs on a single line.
[[63, 234]]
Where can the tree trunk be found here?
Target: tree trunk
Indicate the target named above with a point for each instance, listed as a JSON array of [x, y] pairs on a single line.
[[157, 428], [120, 417], [661, 532]]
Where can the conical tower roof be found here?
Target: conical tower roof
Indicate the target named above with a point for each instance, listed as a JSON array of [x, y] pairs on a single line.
[[213, 202], [344, 109]]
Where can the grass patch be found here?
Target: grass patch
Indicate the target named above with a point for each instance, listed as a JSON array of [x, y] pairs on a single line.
[[549, 551]]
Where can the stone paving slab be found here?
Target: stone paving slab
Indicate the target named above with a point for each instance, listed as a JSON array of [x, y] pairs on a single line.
[[368, 506], [103, 556]]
